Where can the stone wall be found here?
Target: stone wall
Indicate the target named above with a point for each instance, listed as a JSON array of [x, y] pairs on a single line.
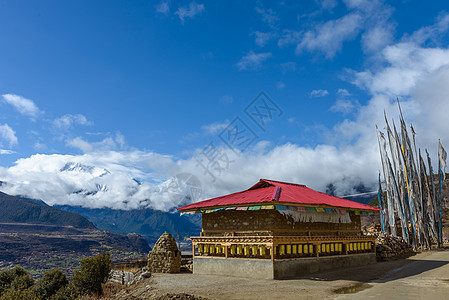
[[224, 222], [165, 256]]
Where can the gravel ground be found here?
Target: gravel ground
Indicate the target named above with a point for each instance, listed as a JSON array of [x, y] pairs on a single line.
[[325, 285]]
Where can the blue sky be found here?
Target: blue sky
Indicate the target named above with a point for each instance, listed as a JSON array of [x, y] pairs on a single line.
[[143, 87]]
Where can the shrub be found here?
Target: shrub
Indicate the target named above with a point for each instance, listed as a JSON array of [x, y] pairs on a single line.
[[21, 283], [67, 292], [16, 278], [52, 281], [17, 295], [93, 273]]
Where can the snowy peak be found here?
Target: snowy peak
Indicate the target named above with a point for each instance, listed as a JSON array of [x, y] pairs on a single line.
[[80, 168]]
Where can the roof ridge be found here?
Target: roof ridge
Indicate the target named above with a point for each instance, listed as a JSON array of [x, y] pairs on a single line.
[[283, 182]]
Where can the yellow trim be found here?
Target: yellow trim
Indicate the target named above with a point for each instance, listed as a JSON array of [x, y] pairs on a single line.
[[281, 249]]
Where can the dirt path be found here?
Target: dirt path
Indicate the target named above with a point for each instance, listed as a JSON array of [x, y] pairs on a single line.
[[315, 286], [425, 278]]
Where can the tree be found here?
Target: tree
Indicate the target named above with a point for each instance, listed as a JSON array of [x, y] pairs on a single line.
[[93, 273]]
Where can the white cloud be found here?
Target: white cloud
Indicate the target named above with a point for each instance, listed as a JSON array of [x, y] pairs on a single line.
[[361, 4], [80, 143], [370, 18], [67, 121], [289, 37], [343, 92], [39, 146], [215, 128], [189, 12], [406, 65], [433, 32], [328, 38], [344, 106], [5, 152], [22, 105], [318, 93], [253, 61], [8, 135], [377, 37], [120, 140], [329, 4], [163, 7], [344, 103], [379, 28], [116, 142], [262, 38], [268, 15]]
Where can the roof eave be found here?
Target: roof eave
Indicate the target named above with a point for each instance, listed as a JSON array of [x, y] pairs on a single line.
[[278, 203]]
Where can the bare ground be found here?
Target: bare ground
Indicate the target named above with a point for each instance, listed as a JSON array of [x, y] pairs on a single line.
[[325, 285]]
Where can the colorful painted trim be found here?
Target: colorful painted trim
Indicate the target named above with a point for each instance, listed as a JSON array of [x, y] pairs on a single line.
[[284, 208]]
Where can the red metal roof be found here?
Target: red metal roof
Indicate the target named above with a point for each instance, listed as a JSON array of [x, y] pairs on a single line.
[[269, 191]]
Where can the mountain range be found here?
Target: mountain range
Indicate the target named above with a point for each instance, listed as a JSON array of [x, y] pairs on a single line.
[[148, 223], [38, 237]]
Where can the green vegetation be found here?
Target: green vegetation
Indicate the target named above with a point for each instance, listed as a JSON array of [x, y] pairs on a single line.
[[17, 284], [16, 278], [50, 284], [94, 272]]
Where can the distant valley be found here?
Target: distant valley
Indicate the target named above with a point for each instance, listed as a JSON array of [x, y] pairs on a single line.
[[148, 223], [40, 237]]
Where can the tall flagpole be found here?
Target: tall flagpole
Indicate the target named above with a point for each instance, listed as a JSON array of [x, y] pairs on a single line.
[[381, 206]]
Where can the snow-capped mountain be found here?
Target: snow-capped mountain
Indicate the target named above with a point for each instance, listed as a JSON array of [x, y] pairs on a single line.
[[81, 168], [87, 182]]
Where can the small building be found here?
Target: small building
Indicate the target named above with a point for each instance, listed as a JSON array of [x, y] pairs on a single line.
[[279, 230]]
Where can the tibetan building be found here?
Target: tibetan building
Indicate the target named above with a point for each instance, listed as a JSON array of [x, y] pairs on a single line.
[[278, 230]]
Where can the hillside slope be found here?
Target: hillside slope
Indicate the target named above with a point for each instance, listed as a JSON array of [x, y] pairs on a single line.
[[146, 222], [39, 237], [20, 210]]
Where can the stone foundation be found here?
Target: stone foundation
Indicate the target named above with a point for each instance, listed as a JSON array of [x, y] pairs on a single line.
[[279, 269]]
